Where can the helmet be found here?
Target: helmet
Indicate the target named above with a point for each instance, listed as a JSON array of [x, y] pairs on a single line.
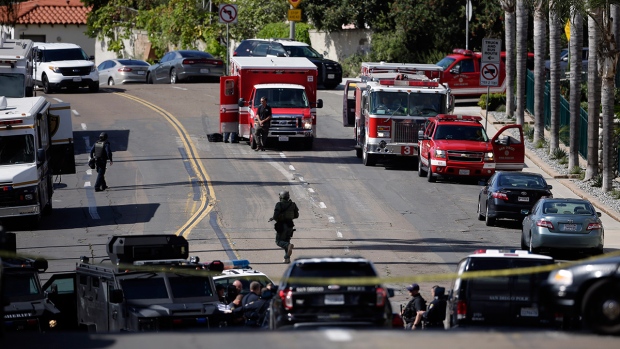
[[103, 136], [284, 195]]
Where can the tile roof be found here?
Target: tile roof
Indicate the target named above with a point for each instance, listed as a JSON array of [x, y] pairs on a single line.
[[52, 12]]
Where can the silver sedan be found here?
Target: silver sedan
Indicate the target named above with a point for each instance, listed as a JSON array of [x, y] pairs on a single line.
[[121, 71], [563, 224]]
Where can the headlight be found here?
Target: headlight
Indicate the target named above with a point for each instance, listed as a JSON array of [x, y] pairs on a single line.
[[440, 154], [54, 69], [383, 134], [92, 69], [489, 156], [561, 277], [307, 124]]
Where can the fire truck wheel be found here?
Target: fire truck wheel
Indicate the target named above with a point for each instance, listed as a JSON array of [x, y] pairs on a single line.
[[489, 221], [368, 159], [421, 172], [358, 153], [480, 215], [429, 175]]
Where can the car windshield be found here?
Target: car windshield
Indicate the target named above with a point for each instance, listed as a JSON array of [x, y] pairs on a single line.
[[571, 208], [301, 51], [133, 62], [19, 285], [12, 85], [461, 132], [446, 62], [394, 103], [144, 288], [186, 54], [67, 54], [16, 149], [520, 181], [190, 286], [282, 97], [426, 104]]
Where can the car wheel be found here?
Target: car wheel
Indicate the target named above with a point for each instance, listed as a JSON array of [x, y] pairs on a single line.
[[531, 247], [94, 87], [523, 244], [488, 220], [429, 173], [601, 307], [421, 172], [480, 215], [368, 159], [149, 79], [47, 88], [173, 76], [110, 82]]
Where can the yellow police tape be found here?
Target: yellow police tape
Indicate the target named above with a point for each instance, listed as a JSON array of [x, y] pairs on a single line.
[[199, 270]]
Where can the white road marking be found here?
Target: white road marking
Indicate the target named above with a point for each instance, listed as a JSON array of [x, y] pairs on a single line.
[[301, 179], [87, 183], [88, 172], [84, 128], [57, 100], [346, 249], [75, 112], [339, 234], [310, 190], [282, 155], [338, 335], [180, 88], [322, 205], [291, 167], [331, 219]]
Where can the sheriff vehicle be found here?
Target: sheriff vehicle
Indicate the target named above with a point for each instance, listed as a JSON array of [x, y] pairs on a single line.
[[16, 64]]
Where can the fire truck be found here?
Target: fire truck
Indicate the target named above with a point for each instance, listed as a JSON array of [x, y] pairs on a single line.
[[390, 105], [36, 142], [290, 85]]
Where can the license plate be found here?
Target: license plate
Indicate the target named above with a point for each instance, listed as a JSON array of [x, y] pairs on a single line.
[[283, 138], [334, 299], [523, 199], [529, 312], [464, 172], [331, 76], [569, 227], [204, 70], [77, 79], [140, 72]]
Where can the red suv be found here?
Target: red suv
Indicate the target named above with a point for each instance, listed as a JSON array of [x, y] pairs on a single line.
[[457, 145]]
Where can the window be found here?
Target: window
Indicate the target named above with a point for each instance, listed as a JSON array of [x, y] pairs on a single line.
[[190, 286], [467, 66], [12, 85], [17, 149], [19, 285], [141, 288]]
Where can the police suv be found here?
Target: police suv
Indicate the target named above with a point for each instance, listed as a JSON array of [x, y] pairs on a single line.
[[60, 65]]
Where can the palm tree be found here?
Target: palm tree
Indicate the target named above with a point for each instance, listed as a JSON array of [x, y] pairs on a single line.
[[594, 91], [522, 21], [540, 40], [575, 52], [510, 28], [555, 33]]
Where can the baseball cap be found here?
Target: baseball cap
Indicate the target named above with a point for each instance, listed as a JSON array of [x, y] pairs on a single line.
[[413, 287]]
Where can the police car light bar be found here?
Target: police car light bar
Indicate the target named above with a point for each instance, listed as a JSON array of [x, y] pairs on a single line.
[[236, 264], [447, 117], [389, 82]]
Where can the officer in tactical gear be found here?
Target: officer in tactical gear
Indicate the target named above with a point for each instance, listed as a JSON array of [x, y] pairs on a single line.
[[102, 153], [284, 213]]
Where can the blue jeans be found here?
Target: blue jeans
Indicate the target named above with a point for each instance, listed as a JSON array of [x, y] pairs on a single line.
[[233, 136]]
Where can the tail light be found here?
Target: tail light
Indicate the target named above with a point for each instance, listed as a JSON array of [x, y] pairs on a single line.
[[287, 298], [593, 226], [124, 69], [461, 310], [545, 224], [381, 296], [501, 196]]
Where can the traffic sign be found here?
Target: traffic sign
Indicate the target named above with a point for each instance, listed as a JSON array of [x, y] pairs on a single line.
[[294, 15], [491, 50], [294, 3], [228, 13], [489, 74]]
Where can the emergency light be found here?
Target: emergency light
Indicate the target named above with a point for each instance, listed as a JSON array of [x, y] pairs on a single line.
[[390, 82], [448, 117], [463, 52]]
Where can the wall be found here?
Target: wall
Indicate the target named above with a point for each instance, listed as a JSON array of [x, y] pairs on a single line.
[[137, 46], [73, 34], [341, 44]]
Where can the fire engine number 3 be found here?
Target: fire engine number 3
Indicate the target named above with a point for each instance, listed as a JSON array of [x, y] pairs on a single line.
[[408, 150]]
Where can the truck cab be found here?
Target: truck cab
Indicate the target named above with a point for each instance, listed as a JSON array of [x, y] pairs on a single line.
[[458, 146]]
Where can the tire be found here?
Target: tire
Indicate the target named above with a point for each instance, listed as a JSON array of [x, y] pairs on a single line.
[[47, 210], [421, 172], [531, 247], [173, 76], [601, 307], [429, 174], [368, 159], [149, 79], [487, 219], [358, 153], [480, 215], [94, 87], [47, 88], [110, 82], [523, 244]]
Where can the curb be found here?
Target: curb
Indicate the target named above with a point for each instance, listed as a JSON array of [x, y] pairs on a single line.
[[564, 179]]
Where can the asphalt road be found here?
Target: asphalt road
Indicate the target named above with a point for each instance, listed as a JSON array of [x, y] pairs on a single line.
[[167, 178]]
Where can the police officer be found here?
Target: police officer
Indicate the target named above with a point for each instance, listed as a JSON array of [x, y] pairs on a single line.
[[284, 213], [416, 304], [102, 153], [434, 316]]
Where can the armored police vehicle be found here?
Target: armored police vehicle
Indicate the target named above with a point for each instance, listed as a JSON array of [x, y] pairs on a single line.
[[148, 284], [25, 306]]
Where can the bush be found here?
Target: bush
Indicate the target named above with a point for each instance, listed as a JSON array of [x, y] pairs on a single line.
[[495, 100], [528, 131], [541, 144], [575, 170], [557, 154], [597, 181], [283, 30], [352, 66]]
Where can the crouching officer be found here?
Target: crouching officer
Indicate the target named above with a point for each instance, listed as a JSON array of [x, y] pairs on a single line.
[[284, 213]]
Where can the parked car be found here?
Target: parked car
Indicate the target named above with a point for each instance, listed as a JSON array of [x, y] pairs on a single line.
[[304, 303], [185, 65], [556, 224], [121, 71], [512, 195], [492, 298], [564, 57], [330, 72], [586, 294]]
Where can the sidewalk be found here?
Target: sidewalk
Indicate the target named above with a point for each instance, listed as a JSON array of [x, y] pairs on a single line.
[[562, 187]]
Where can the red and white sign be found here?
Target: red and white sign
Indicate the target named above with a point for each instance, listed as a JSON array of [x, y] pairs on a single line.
[[294, 3], [228, 13], [489, 74]]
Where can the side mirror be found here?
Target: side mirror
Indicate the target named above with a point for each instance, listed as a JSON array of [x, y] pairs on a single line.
[[454, 71], [549, 186], [598, 214], [241, 102], [116, 296], [319, 103], [525, 212], [40, 155], [421, 135], [92, 58]]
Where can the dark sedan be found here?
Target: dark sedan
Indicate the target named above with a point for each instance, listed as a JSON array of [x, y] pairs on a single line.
[[185, 65], [556, 224], [510, 195]]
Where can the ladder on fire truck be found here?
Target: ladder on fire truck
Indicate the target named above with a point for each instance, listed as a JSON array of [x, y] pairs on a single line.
[[372, 71]]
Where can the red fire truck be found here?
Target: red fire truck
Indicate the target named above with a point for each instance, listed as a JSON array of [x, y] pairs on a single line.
[[290, 85], [458, 146], [390, 105]]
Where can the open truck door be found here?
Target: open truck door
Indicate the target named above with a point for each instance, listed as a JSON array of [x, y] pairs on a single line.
[[229, 107], [348, 110], [61, 131], [60, 289], [509, 148]]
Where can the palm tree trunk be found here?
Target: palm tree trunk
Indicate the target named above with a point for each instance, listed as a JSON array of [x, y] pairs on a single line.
[[510, 27], [540, 41], [575, 47], [555, 33], [594, 91], [522, 21], [608, 63]]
